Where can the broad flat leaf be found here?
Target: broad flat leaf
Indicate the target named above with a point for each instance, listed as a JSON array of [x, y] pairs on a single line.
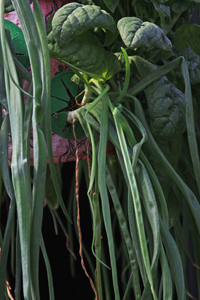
[[63, 94], [87, 53], [135, 33], [111, 4], [73, 19], [165, 102], [188, 36]]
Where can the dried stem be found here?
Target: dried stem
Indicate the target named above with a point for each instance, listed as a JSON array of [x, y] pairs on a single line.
[[78, 216]]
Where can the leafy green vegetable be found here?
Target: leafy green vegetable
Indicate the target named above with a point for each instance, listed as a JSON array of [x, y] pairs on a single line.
[[79, 46], [74, 19], [165, 102], [135, 33]]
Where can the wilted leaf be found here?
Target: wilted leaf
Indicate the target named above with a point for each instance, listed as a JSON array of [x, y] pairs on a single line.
[[135, 33]]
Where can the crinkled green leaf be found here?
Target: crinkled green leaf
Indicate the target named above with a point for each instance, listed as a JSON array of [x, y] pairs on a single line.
[[135, 33], [87, 53], [72, 41], [74, 19], [188, 36], [165, 102]]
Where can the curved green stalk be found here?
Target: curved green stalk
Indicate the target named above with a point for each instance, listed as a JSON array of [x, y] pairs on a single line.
[[127, 77], [153, 147]]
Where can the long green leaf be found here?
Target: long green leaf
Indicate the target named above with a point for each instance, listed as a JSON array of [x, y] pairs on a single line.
[[137, 205], [4, 136], [125, 232], [19, 161], [104, 194], [153, 147], [174, 260]]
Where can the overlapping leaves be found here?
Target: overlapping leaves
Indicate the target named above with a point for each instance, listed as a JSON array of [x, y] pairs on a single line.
[[73, 40]]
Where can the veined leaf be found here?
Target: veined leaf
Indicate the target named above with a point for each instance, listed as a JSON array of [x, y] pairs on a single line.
[[74, 19], [166, 104], [87, 53], [135, 33]]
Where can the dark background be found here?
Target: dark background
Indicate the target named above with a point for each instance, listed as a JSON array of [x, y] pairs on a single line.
[[65, 285]]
